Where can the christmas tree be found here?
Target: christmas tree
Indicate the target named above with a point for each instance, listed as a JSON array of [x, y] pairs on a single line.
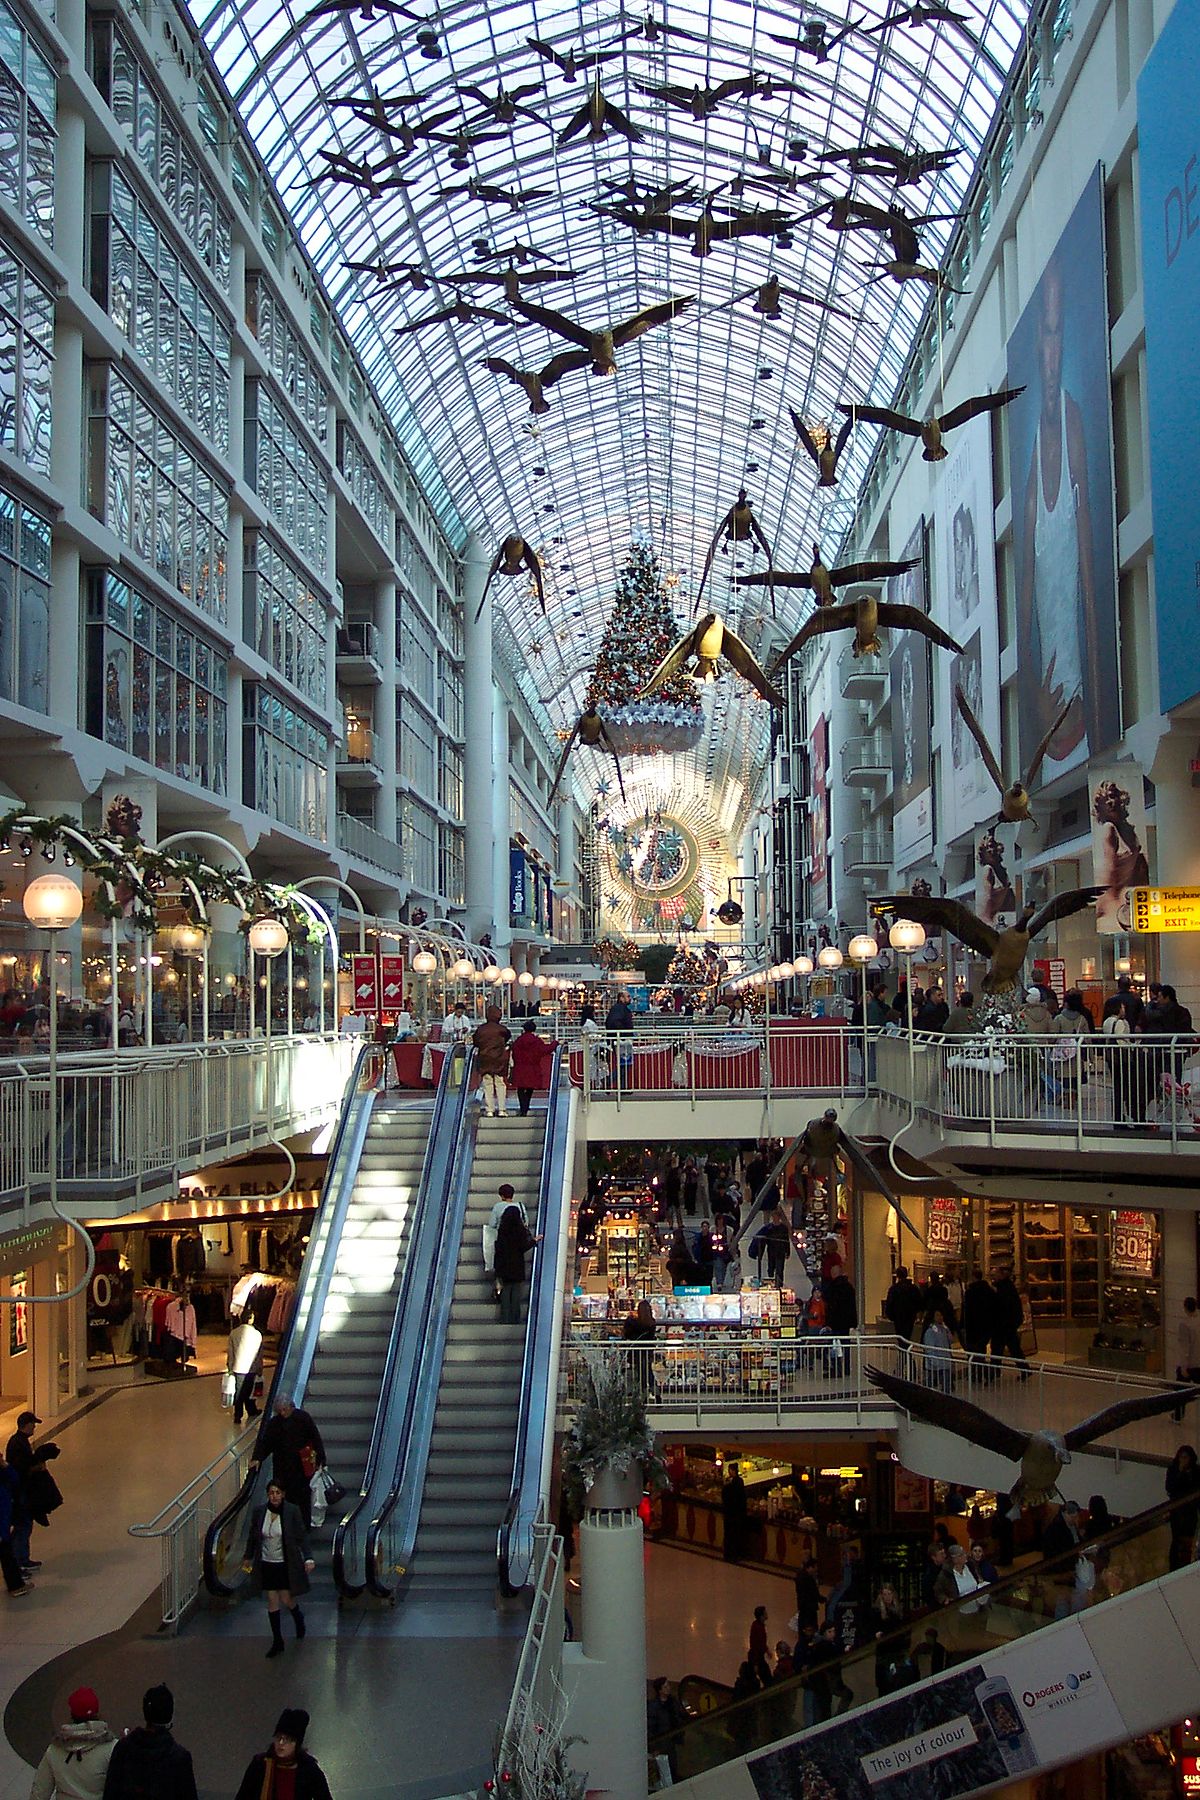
[[640, 631]]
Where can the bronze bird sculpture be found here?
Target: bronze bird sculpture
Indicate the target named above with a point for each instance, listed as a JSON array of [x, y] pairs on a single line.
[[516, 253], [373, 178], [599, 347], [770, 294], [818, 1146], [710, 641], [597, 116], [844, 213], [588, 729], [932, 430], [863, 616], [514, 557], [393, 275], [570, 63], [513, 198], [824, 448], [702, 102], [1014, 795], [815, 40], [739, 526], [462, 312], [912, 271], [505, 106], [1041, 1454], [704, 231], [376, 111], [512, 280], [905, 167], [924, 12], [1006, 950], [534, 382]]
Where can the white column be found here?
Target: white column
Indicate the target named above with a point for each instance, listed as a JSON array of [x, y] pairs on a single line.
[[478, 773], [614, 1646], [500, 826], [1176, 862]]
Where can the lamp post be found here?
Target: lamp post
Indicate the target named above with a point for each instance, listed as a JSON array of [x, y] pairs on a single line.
[[53, 902], [906, 938], [191, 941], [267, 938], [423, 964], [862, 950], [829, 958]]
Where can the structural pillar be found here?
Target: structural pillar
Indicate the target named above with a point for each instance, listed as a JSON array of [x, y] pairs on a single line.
[[478, 773], [1176, 861], [501, 830], [608, 1701]]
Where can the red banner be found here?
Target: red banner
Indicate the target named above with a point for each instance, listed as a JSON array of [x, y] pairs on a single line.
[[391, 983], [365, 973]]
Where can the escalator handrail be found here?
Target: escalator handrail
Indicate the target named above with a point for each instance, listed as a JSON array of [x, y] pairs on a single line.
[[1049, 1568], [514, 1542], [299, 1344], [426, 1319], [427, 1216]]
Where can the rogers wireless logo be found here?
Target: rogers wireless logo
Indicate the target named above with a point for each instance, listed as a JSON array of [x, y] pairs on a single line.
[[1068, 1687]]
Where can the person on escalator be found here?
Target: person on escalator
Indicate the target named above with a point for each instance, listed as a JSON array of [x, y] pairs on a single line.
[[492, 1054], [491, 1226], [291, 1439], [513, 1243], [529, 1056]]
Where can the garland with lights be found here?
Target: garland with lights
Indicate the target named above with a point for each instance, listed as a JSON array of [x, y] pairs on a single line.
[[616, 953], [131, 876], [640, 631]]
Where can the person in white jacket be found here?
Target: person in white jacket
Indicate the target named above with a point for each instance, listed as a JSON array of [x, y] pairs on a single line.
[[243, 1360], [76, 1762], [492, 1225]]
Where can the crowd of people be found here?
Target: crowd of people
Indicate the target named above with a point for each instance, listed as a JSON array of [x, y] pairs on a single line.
[[87, 1760], [983, 1316]]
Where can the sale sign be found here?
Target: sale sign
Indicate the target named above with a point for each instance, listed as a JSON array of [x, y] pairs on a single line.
[[1132, 1243], [391, 982], [945, 1227], [364, 972]]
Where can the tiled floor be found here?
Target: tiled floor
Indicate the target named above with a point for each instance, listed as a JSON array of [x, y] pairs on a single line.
[[698, 1613]]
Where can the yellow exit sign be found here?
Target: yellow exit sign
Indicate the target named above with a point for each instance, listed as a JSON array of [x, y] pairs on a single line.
[[1165, 909]]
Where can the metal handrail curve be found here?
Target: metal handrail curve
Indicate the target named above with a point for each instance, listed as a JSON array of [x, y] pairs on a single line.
[[299, 1344], [515, 1539], [445, 1127]]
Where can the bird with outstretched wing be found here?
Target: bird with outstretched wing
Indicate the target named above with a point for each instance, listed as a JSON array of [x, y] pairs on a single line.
[[932, 430], [1041, 1454], [514, 557], [1014, 795], [708, 642], [591, 730], [739, 526], [1006, 950]]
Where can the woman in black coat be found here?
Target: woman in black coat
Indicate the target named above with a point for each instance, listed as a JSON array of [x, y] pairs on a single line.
[[513, 1243], [278, 1559], [286, 1754], [1183, 1479]]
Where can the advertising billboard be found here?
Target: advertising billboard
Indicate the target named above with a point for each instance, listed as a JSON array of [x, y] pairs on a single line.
[[1061, 469], [908, 669], [1168, 161]]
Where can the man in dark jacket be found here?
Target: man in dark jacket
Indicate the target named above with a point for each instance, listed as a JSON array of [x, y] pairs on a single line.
[[902, 1303], [978, 1314], [808, 1595], [149, 1764], [291, 1439], [22, 1459], [620, 1015], [935, 1298], [1006, 1331], [962, 1022], [841, 1305], [934, 1012], [492, 1057]]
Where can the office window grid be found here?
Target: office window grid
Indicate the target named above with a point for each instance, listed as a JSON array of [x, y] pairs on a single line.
[[154, 687], [417, 740], [450, 778], [285, 768], [26, 362], [364, 484], [24, 604], [287, 359], [158, 495], [28, 109], [286, 475], [417, 664], [154, 302], [417, 834], [162, 151], [450, 865], [285, 617], [452, 697]]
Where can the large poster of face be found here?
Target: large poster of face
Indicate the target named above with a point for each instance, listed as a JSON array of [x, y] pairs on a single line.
[[965, 603], [1119, 860], [1060, 457], [908, 669]]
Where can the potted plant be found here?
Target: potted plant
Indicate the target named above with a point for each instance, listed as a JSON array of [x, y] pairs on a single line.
[[611, 1455]]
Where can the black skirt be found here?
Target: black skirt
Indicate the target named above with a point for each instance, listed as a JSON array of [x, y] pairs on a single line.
[[274, 1577]]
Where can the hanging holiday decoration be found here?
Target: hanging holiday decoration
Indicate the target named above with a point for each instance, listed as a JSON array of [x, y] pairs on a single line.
[[616, 953], [640, 631]]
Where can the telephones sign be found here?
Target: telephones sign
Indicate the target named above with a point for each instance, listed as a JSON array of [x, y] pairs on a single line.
[[1164, 909]]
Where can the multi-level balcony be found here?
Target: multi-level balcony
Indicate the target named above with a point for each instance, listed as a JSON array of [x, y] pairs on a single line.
[[358, 653], [867, 760]]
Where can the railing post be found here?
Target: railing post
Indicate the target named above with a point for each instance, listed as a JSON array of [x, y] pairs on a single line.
[[991, 1080], [1175, 1092]]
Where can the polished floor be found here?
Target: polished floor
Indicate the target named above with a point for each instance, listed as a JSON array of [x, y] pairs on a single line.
[[699, 1610]]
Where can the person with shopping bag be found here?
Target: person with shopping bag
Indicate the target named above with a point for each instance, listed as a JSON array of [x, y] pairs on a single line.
[[243, 1366], [291, 1439]]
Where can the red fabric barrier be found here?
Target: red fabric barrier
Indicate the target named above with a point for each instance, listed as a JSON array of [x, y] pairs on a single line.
[[808, 1053], [713, 1069]]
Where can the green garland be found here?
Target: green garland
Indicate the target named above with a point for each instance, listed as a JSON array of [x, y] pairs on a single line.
[[130, 876], [616, 953]]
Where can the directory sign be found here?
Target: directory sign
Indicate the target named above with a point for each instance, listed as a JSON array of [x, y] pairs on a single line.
[[1164, 909]]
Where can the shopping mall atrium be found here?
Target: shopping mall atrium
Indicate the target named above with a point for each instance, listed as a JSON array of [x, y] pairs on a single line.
[[599, 849]]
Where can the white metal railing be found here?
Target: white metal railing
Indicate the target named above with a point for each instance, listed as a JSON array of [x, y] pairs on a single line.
[[709, 1375], [126, 1116], [181, 1525], [357, 838], [867, 849], [1085, 1087], [862, 754], [537, 1696]]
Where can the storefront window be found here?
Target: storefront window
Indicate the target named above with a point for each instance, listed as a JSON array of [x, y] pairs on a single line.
[[154, 687]]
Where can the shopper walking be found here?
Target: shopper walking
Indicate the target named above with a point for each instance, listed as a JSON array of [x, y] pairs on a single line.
[[147, 1763], [513, 1242], [291, 1439], [76, 1761], [529, 1057], [978, 1314], [808, 1595], [491, 1041], [902, 1304], [28, 1466], [286, 1770], [507, 1198], [1182, 1484], [279, 1562], [936, 1339], [892, 1667], [757, 1655], [1006, 1331], [735, 1515], [841, 1309], [243, 1360]]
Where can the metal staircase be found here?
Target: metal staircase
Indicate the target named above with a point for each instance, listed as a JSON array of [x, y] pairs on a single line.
[[343, 1386], [471, 1450]]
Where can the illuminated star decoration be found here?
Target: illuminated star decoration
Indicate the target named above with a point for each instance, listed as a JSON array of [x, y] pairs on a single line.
[[603, 789]]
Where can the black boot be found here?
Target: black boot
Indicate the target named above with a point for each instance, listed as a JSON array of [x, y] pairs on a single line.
[[276, 1635], [298, 1621]]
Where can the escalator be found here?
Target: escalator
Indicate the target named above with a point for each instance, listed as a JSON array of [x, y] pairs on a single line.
[[960, 1672], [381, 1171], [459, 1440]]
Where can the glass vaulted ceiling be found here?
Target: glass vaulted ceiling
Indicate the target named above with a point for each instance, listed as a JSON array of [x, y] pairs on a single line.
[[698, 408]]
